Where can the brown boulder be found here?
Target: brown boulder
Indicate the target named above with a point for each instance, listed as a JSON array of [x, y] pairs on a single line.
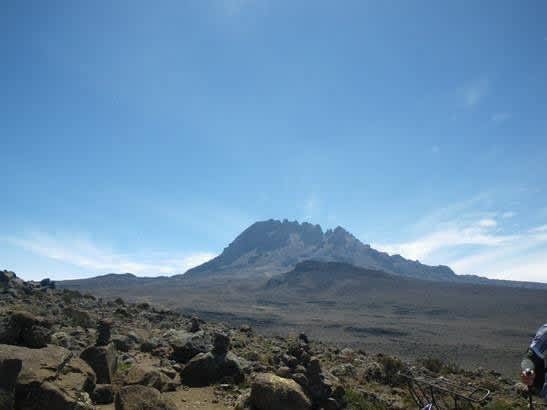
[[36, 396], [139, 397], [49, 375], [186, 345], [208, 368], [271, 392], [103, 394], [103, 360], [9, 370], [79, 317], [25, 329], [149, 376]]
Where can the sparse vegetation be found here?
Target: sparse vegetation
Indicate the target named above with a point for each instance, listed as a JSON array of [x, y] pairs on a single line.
[[392, 367], [365, 381], [69, 295], [432, 364], [124, 366], [437, 365], [504, 405], [356, 401]]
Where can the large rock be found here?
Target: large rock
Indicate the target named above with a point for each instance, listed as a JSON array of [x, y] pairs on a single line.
[[207, 368], [9, 370], [149, 376], [25, 329], [103, 394], [77, 375], [271, 392], [221, 343], [141, 398], [195, 324], [103, 360], [126, 342], [10, 283], [79, 317], [49, 375], [55, 397], [186, 345]]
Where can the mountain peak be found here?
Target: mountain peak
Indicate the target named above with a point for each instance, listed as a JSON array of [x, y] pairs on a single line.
[[270, 247]]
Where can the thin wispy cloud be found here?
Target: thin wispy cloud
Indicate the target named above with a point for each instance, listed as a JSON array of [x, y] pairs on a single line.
[[479, 233], [83, 253], [519, 260], [458, 237], [487, 223]]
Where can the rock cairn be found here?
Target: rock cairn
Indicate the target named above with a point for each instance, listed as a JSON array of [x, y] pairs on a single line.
[[299, 364], [103, 332], [217, 365], [195, 325]]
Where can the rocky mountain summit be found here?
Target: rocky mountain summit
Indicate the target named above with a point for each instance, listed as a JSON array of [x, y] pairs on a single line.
[[271, 247], [60, 349]]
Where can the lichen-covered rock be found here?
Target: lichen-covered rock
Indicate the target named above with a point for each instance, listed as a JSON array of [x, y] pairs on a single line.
[[271, 392]]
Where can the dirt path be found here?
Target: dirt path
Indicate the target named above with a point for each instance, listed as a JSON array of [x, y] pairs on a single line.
[[197, 398], [190, 399]]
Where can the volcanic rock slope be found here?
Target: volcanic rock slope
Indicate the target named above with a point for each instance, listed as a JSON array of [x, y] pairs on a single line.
[[60, 349], [272, 247]]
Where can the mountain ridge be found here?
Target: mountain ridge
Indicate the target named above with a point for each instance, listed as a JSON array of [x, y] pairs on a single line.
[[271, 247]]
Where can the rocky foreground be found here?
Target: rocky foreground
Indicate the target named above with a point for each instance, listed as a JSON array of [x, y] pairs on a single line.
[[61, 350]]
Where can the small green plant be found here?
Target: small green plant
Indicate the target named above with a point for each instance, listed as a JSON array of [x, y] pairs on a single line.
[[502, 405], [124, 366], [357, 401], [432, 364], [69, 295], [392, 366], [436, 365], [451, 368]]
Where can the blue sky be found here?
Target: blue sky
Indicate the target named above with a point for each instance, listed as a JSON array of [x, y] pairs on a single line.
[[144, 137]]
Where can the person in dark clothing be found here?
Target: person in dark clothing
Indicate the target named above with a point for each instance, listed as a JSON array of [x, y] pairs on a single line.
[[534, 364]]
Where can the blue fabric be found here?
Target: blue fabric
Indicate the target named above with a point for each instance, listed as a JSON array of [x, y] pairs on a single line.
[[539, 342]]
